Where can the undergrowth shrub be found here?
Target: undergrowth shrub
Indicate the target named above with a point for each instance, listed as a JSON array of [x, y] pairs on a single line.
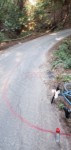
[[63, 55], [2, 37]]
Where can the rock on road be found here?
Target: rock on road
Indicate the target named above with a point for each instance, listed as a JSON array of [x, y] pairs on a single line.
[[25, 110]]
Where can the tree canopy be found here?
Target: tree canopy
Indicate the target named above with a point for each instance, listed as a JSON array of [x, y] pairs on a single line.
[[32, 15]]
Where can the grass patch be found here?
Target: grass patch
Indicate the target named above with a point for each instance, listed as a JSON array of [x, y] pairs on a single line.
[[61, 106], [63, 55], [64, 78]]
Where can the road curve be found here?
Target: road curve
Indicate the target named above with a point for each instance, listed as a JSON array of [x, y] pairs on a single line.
[[26, 115]]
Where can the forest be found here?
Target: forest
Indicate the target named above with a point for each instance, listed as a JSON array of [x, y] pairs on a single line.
[[19, 18]]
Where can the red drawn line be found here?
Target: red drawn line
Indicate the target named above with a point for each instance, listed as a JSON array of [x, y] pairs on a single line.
[[18, 115]]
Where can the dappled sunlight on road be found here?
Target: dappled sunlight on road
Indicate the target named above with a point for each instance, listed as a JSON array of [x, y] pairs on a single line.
[[53, 34], [18, 54], [59, 38], [18, 57]]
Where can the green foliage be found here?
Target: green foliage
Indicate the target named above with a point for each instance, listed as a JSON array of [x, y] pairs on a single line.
[[67, 64], [61, 106], [11, 17], [56, 63], [2, 37], [14, 18], [24, 34], [64, 78], [2, 10], [63, 55], [15, 14], [41, 15]]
